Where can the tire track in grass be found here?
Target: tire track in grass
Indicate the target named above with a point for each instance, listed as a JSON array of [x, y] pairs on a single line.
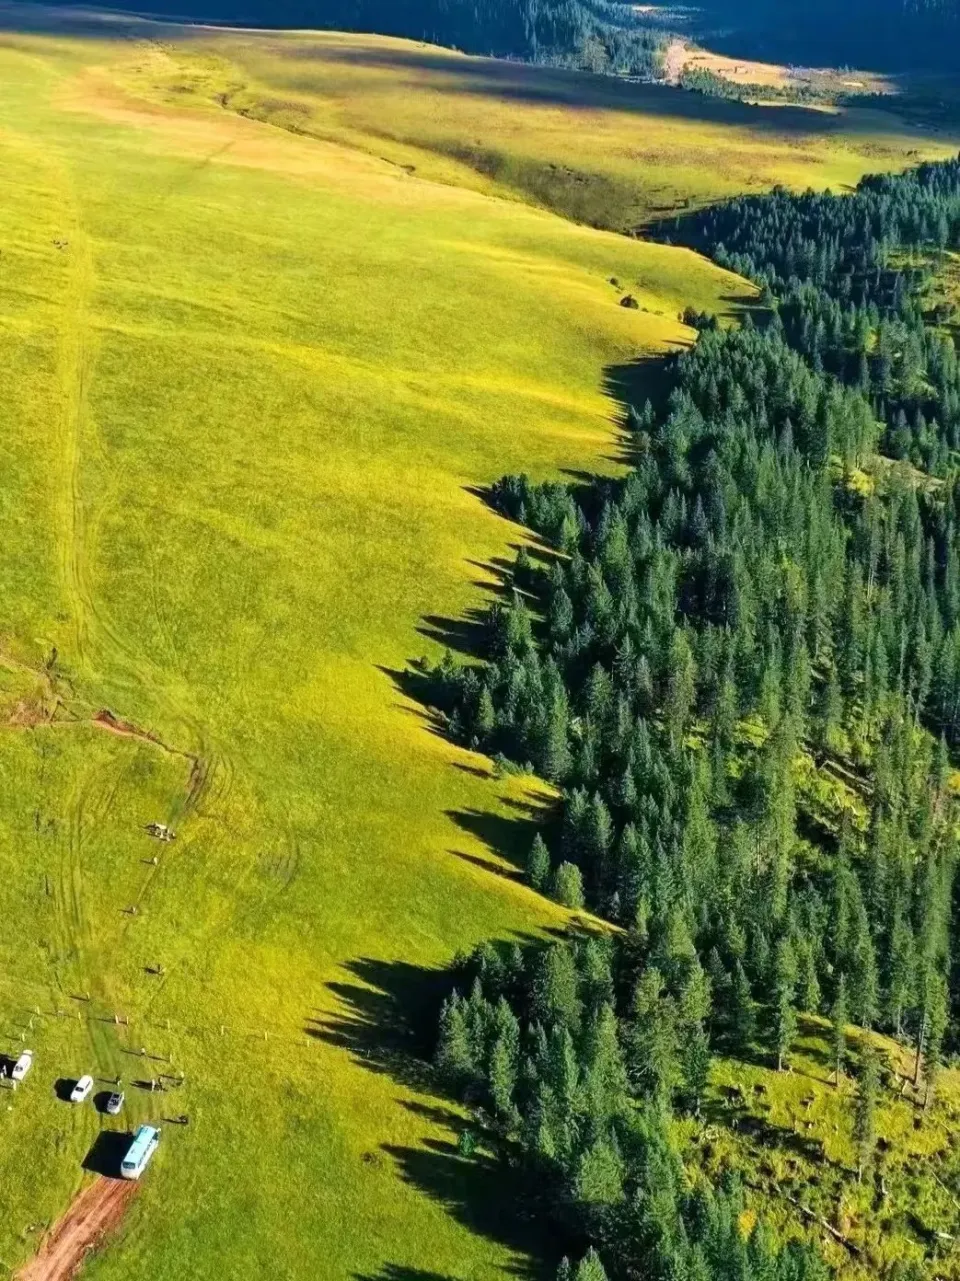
[[75, 358], [79, 977], [98, 652]]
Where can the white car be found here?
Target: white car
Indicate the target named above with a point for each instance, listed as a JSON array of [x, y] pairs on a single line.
[[22, 1066], [81, 1091]]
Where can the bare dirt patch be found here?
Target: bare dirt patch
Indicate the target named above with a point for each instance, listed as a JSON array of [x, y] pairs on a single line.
[[95, 1213]]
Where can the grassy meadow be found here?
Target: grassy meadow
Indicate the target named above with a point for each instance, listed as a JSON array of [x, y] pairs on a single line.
[[250, 381], [602, 151]]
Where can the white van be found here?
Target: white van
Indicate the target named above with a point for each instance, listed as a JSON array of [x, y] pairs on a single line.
[[140, 1151]]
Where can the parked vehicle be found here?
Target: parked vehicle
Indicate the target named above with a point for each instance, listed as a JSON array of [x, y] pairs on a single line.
[[142, 1148], [114, 1103], [81, 1091], [22, 1066]]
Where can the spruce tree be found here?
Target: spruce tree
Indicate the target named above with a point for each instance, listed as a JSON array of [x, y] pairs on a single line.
[[454, 1057], [784, 1013], [590, 1268], [743, 1019], [502, 1078], [538, 864], [937, 1020]]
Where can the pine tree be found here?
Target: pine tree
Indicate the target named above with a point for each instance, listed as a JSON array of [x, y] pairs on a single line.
[[784, 1014], [454, 1058], [486, 717], [936, 1027], [555, 988], [743, 1018], [538, 864], [696, 1067], [681, 686], [599, 1176], [502, 1078], [590, 1268], [653, 1049], [605, 1077]]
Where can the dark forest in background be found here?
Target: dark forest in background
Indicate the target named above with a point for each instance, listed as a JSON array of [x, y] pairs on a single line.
[[883, 35]]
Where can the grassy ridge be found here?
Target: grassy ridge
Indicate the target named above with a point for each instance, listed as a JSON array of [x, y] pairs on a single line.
[[600, 150], [250, 377]]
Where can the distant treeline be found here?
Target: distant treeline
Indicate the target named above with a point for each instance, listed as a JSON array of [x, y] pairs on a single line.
[[711, 85], [850, 277], [597, 35]]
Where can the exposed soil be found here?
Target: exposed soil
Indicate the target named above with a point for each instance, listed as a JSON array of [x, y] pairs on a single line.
[[105, 719], [29, 713], [96, 1212]]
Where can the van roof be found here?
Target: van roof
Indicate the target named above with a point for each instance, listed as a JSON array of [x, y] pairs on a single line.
[[141, 1141]]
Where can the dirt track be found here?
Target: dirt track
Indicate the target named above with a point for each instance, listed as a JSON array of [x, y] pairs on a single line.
[[95, 1212]]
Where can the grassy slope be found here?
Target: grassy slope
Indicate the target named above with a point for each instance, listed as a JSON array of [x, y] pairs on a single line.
[[600, 150], [242, 406]]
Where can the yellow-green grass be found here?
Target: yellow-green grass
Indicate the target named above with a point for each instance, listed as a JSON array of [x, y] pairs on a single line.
[[600, 150], [249, 382]]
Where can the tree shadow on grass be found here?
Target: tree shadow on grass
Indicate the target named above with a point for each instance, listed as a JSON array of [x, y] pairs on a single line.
[[509, 837], [460, 635], [388, 1021], [398, 1272], [387, 1018], [484, 1193], [487, 865], [634, 382]]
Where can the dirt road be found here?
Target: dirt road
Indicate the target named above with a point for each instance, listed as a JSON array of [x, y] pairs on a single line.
[[95, 1212]]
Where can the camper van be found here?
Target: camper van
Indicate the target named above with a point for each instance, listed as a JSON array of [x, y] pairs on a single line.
[[140, 1151]]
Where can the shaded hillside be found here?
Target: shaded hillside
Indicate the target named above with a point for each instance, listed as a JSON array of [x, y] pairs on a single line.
[[893, 35], [597, 35]]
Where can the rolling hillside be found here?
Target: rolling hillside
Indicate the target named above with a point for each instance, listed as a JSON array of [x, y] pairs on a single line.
[[600, 150], [252, 380], [272, 309]]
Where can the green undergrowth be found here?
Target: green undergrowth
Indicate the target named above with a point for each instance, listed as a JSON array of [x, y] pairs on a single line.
[[790, 1136]]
